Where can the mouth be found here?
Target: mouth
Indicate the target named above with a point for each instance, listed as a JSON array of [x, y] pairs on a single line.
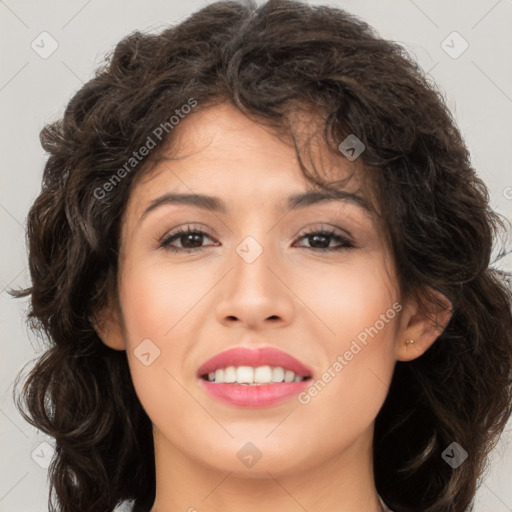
[[253, 377]]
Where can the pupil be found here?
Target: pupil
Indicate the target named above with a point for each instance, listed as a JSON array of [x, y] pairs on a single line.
[[187, 238], [315, 239]]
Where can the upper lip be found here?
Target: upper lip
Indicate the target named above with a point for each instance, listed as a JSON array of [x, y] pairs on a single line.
[[261, 356]]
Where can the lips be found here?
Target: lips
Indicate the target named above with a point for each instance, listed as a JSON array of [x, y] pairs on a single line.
[[265, 356], [252, 390]]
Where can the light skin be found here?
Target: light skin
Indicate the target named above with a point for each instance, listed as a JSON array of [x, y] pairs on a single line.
[[309, 303]]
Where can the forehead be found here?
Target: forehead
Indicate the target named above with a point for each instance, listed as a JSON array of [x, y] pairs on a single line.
[[220, 148]]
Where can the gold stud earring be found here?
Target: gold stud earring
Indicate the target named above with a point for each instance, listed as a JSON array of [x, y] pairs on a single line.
[[408, 341]]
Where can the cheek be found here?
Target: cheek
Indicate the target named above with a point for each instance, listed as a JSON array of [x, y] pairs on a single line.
[[348, 297], [160, 306], [351, 389], [156, 298], [358, 327]]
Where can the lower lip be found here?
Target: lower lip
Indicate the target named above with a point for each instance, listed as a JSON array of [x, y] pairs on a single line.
[[262, 395]]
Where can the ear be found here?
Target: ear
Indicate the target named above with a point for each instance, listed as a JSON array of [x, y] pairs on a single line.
[[108, 325], [423, 322]]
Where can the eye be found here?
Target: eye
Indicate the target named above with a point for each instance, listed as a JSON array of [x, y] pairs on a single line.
[[189, 239], [320, 240]]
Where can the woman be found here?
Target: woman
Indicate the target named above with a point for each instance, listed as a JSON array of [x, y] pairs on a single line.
[[262, 258]]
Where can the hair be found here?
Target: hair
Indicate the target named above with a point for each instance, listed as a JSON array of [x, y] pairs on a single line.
[[270, 62]]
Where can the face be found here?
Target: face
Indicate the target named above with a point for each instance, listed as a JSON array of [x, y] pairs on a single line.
[[314, 281]]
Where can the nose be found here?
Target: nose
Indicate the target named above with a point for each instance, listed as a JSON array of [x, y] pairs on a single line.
[[255, 295]]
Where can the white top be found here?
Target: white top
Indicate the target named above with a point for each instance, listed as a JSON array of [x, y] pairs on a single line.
[[384, 505]]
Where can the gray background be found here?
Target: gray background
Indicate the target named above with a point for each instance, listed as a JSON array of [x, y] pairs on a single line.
[[35, 90]]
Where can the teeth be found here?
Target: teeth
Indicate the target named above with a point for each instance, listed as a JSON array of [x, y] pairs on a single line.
[[288, 376], [253, 376], [244, 375], [263, 374], [277, 374], [229, 374]]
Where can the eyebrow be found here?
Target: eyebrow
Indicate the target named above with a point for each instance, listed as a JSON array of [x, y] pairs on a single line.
[[294, 202]]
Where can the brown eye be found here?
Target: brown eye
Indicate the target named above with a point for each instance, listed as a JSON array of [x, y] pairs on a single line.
[[320, 240], [189, 239]]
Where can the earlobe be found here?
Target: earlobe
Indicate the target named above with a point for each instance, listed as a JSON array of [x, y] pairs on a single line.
[[423, 323], [107, 324]]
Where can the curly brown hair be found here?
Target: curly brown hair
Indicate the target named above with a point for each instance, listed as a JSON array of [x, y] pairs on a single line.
[[268, 61]]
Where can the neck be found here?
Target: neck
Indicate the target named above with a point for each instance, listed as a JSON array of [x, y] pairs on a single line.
[[342, 483]]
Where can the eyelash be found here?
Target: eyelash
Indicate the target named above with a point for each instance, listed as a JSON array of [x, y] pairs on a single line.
[[165, 243]]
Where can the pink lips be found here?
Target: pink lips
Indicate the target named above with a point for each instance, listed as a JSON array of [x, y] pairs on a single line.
[[263, 395]]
